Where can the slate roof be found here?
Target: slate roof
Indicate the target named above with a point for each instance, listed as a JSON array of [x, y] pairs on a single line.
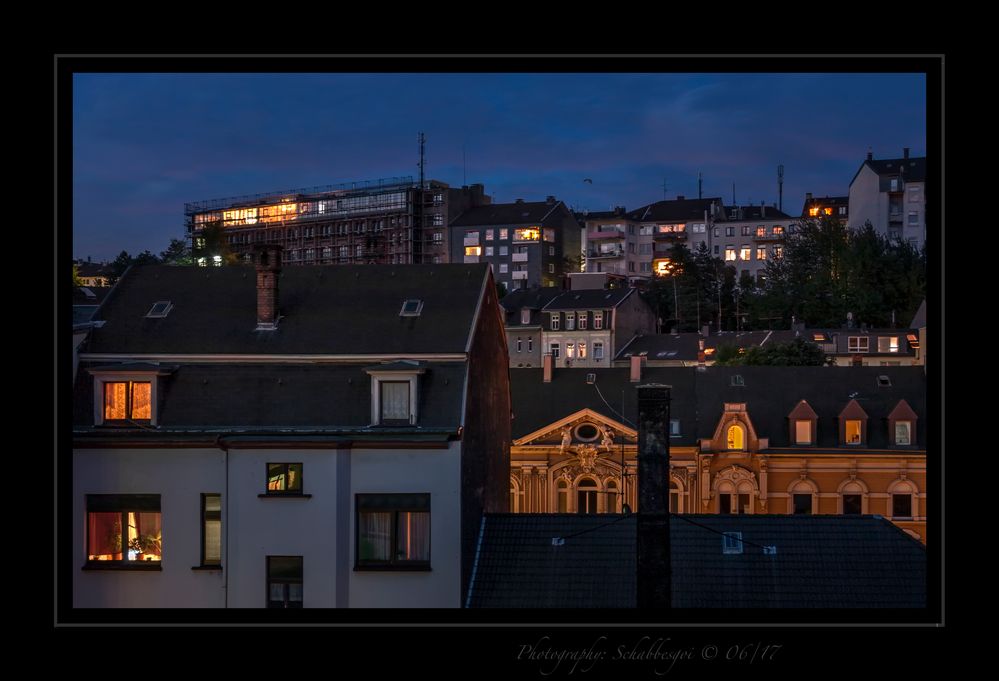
[[752, 213], [535, 298], [528, 212], [914, 167], [919, 321], [589, 299], [820, 562], [329, 397], [214, 310], [671, 211], [831, 201], [698, 398]]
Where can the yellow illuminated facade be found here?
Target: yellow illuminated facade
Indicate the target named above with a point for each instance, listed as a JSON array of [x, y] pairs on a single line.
[[527, 234]]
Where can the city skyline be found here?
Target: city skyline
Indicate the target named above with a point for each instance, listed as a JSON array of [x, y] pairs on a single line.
[[144, 144]]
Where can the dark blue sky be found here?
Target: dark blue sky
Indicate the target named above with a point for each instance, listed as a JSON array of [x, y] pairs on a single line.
[[144, 144]]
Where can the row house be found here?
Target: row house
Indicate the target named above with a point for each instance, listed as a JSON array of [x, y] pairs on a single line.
[[743, 440], [287, 437], [746, 237], [526, 243]]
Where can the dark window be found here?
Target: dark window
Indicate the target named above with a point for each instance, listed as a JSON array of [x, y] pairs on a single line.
[[123, 529], [284, 581], [803, 504], [725, 503], [284, 478], [851, 504], [393, 531], [901, 506], [411, 308], [586, 497], [211, 529], [160, 309], [743, 503], [674, 498]]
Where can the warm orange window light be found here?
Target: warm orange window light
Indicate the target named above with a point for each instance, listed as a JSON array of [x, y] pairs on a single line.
[[802, 432], [127, 400], [813, 212], [473, 250], [528, 234], [853, 432], [827, 211], [735, 437]]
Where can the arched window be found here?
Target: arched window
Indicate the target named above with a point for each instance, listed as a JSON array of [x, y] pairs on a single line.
[[902, 500], [586, 496], [613, 495], [674, 498], [736, 437], [562, 496], [852, 495], [801, 498], [514, 496]]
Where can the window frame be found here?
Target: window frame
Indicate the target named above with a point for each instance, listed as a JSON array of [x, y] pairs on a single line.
[[379, 377], [122, 504], [204, 531], [300, 491], [286, 581], [103, 377], [393, 563], [854, 345]]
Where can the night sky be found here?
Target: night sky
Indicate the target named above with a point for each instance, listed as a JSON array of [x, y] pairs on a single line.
[[144, 144]]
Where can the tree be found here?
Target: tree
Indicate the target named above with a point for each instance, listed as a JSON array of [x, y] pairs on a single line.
[[118, 267], [76, 276], [212, 242], [177, 253], [794, 353], [145, 258]]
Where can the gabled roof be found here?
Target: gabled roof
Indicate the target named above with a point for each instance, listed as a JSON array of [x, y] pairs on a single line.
[[673, 211], [919, 321], [528, 212], [802, 411], [831, 201], [902, 411], [588, 299], [533, 299], [821, 561], [323, 310], [913, 168], [746, 213]]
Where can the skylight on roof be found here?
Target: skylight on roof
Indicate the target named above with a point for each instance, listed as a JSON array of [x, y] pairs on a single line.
[[411, 308], [884, 381], [737, 380], [732, 542], [160, 308]]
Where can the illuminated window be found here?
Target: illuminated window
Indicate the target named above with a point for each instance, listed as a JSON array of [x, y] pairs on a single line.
[[778, 230], [813, 212], [858, 344], [473, 250], [903, 432], [284, 581], [887, 344], [827, 211], [582, 350], [128, 401], [570, 351], [730, 253], [761, 231], [778, 251], [438, 237], [736, 439], [527, 234], [489, 234], [211, 529], [556, 318], [393, 531], [124, 529], [744, 253], [802, 432], [761, 253], [284, 478], [504, 234], [570, 321], [853, 431]]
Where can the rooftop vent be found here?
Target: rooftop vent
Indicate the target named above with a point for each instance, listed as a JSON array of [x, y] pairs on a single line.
[[411, 308], [160, 308], [737, 380], [732, 542], [591, 379], [884, 381]]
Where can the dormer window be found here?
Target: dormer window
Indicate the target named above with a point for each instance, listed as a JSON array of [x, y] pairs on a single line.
[[853, 431], [394, 400], [803, 421], [394, 393], [160, 309], [902, 425], [128, 401], [525, 316], [570, 321], [556, 319], [802, 432], [853, 428], [126, 394], [903, 432], [411, 308], [736, 437]]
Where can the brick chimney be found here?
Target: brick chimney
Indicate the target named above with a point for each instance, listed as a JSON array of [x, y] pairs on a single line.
[[548, 362], [653, 578], [267, 258], [700, 355], [636, 367]]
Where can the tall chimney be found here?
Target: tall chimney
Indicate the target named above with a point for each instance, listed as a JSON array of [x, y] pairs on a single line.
[[654, 577], [905, 152], [548, 362], [808, 196], [636, 368], [870, 155], [268, 261]]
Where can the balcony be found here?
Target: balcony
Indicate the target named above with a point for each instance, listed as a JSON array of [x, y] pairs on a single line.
[[671, 236], [598, 253], [605, 232], [519, 257], [518, 275]]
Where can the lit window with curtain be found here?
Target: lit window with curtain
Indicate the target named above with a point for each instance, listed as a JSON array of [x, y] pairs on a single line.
[[124, 529], [393, 531], [284, 582], [211, 529], [127, 401]]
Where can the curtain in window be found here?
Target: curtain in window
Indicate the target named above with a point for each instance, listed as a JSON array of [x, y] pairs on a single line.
[[395, 400], [104, 536], [414, 536], [141, 400], [114, 400], [375, 542]]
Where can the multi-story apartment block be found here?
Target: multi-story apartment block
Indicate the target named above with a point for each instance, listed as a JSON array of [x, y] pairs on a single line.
[[523, 324], [828, 206], [311, 437], [611, 243], [891, 195], [746, 237], [393, 221], [527, 243]]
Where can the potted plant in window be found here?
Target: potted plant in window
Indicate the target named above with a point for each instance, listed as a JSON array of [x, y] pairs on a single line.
[[145, 544]]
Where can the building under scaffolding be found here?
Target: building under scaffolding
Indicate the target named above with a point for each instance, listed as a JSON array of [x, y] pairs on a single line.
[[388, 221]]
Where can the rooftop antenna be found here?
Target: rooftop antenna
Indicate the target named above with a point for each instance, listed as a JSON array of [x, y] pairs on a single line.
[[464, 167], [733, 194], [700, 185], [423, 140], [664, 189], [780, 187]]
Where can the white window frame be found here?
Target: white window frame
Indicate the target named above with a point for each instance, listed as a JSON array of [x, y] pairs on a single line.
[[855, 347], [908, 428], [598, 320], [598, 350], [570, 321], [556, 321], [377, 377], [525, 316], [102, 377]]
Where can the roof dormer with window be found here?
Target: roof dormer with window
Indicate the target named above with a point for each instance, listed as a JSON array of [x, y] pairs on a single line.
[[853, 425], [902, 425], [735, 432], [803, 424], [127, 394], [395, 393]]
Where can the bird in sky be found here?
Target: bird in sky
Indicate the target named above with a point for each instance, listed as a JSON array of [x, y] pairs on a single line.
[[588, 180]]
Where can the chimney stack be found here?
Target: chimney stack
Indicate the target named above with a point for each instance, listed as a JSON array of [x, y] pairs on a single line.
[[548, 363], [870, 155], [550, 200], [808, 196], [679, 197], [706, 330], [653, 576], [905, 153], [267, 258], [701, 365], [636, 367]]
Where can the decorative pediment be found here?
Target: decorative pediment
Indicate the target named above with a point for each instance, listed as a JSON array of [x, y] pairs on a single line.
[[902, 412], [566, 434], [802, 411], [853, 410], [735, 415]]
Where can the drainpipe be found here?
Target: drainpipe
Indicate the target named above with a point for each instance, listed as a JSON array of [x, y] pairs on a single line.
[[225, 537]]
